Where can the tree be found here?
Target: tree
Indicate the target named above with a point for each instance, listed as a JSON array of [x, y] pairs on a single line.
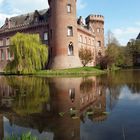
[[133, 50], [29, 54], [85, 55], [111, 39], [114, 54]]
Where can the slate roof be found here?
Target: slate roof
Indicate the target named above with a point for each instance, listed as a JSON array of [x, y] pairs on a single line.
[[29, 18], [138, 37]]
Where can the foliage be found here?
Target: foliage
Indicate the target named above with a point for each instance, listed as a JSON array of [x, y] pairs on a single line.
[[133, 50], [31, 94], [26, 136], [114, 54], [86, 56], [29, 54]]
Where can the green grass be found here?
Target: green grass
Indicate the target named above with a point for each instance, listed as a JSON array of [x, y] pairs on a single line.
[[80, 71]]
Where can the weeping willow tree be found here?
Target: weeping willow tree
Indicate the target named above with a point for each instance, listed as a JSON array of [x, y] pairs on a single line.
[[29, 54]]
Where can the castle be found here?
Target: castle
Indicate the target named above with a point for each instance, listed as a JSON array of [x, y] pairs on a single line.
[[59, 28]]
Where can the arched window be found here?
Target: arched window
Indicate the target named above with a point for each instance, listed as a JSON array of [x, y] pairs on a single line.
[[69, 8], [70, 49]]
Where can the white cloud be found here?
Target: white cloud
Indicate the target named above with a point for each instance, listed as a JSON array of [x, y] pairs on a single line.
[[81, 4], [28, 5], [125, 34], [9, 8], [4, 16], [130, 96]]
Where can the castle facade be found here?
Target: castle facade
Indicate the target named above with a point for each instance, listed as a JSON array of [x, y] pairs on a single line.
[[59, 28]]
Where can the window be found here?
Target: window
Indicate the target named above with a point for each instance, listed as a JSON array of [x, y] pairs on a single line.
[[93, 42], [81, 39], [70, 49], [98, 30], [1, 42], [8, 54], [36, 19], [69, 31], [7, 41], [69, 8], [86, 40], [2, 55], [89, 41], [99, 44], [45, 36]]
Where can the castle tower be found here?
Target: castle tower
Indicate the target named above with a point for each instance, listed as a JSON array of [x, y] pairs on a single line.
[[63, 34], [96, 22]]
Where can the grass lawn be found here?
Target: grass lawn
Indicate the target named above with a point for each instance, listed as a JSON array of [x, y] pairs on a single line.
[[81, 71]]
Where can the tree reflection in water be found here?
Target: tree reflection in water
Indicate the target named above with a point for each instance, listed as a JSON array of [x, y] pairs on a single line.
[[30, 94], [35, 102]]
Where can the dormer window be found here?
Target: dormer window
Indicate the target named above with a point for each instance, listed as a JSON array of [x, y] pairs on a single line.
[[69, 8], [36, 19], [27, 17]]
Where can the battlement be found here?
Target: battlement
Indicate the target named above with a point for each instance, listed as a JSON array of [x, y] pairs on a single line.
[[94, 18]]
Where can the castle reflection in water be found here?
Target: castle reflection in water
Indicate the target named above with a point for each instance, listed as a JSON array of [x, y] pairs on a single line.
[[51, 107]]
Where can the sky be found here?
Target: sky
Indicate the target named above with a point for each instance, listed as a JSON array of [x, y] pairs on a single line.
[[121, 16]]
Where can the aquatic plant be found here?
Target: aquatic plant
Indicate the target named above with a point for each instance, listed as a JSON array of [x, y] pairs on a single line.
[[26, 136]]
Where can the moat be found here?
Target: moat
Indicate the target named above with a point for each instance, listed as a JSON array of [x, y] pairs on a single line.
[[105, 107]]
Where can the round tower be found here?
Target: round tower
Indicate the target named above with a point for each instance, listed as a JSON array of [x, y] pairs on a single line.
[[96, 22], [63, 34]]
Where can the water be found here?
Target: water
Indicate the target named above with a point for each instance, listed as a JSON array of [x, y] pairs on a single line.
[[106, 107]]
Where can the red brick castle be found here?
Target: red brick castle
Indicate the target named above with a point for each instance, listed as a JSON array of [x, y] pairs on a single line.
[[58, 28]]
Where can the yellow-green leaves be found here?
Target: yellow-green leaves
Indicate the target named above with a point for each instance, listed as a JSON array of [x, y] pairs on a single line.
[[29, 54]]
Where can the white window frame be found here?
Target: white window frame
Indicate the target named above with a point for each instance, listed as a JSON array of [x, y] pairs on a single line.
[[70, 49], [68, 8], [98, 30], [69, 31], [45, 36]]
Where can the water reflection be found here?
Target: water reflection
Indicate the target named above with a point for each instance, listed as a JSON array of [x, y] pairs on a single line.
[[69, 108]]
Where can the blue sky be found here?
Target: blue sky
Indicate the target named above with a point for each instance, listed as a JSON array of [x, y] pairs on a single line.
[[121, 16]]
